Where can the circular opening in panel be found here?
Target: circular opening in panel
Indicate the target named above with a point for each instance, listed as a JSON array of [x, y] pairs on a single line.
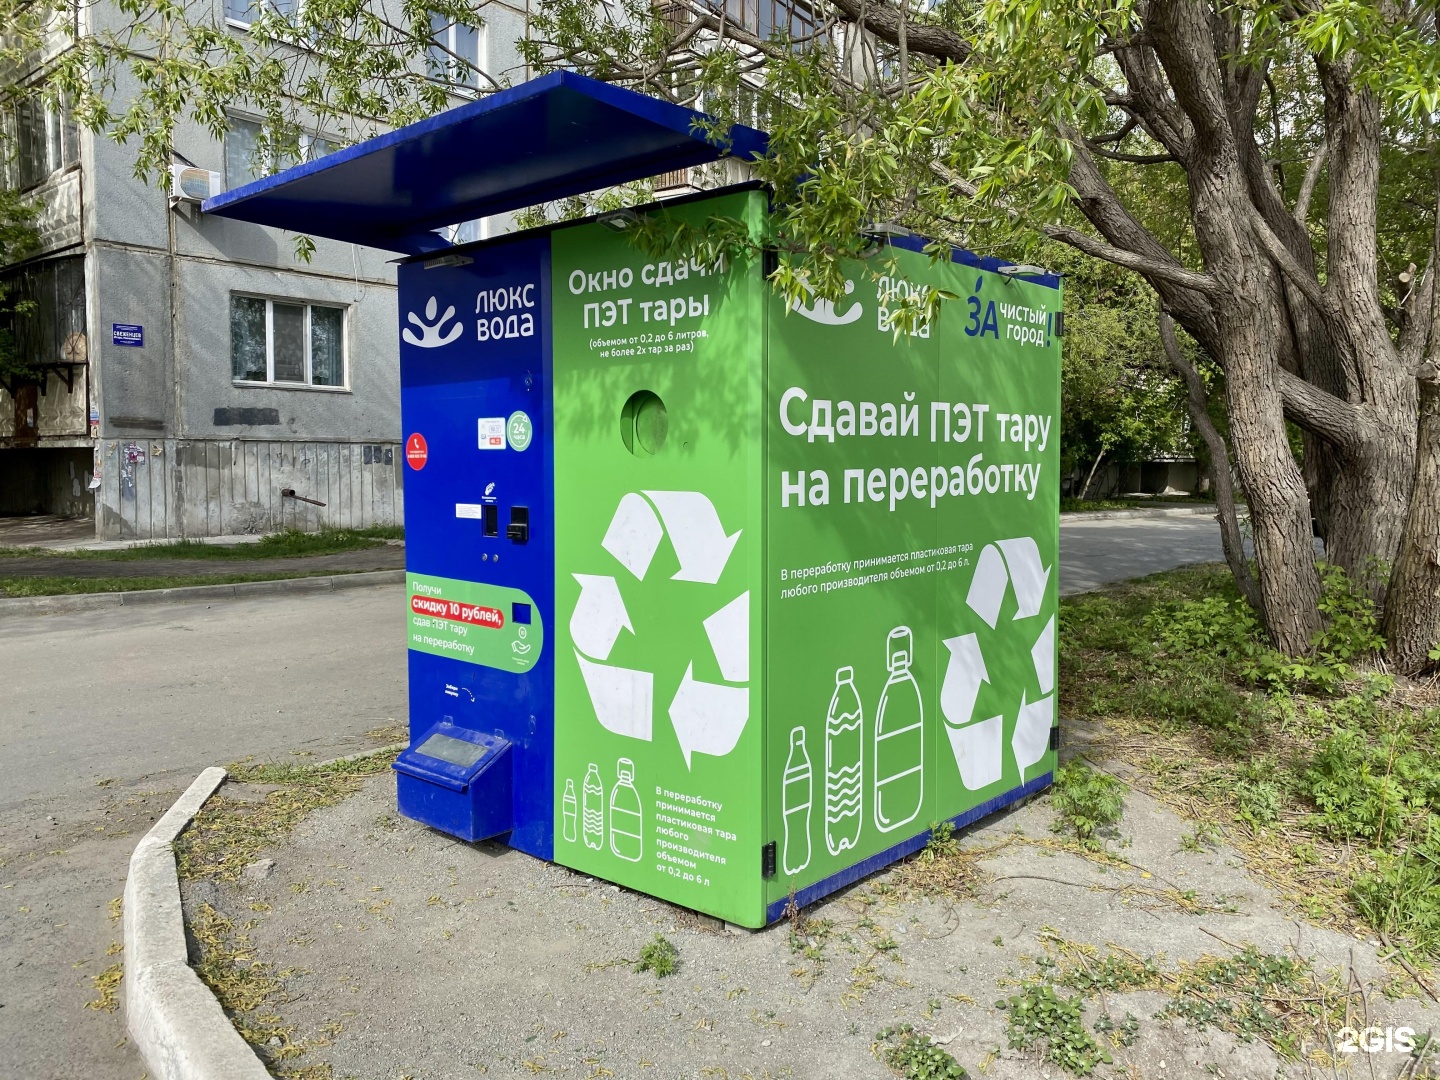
[[644, 423]]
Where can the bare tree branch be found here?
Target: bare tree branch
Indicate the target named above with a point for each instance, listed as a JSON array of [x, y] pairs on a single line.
[[1152, 269], [1198, 401], [1323, 414], [1307, 185], [927, 38], [1289, 265]]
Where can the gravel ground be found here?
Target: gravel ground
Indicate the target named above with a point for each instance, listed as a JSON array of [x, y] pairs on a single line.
[[439, 959]]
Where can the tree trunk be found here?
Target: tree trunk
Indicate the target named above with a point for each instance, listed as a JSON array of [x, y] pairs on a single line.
[[1085, 490], [1371, 489], [1279, 504], [1197, 400], [1412, 618]]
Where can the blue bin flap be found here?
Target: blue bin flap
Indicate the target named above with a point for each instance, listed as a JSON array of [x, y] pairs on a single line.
[[451, 756]]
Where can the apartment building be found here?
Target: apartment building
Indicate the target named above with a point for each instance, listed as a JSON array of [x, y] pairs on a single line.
[[196, 378]]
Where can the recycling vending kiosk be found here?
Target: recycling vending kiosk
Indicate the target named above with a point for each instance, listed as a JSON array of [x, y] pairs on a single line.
[[720, 600]]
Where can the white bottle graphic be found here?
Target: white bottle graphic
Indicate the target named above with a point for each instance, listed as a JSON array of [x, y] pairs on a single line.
[[899, 739], [625, 817], [844, 764], [567, 807], [795, 797], [592, 821]]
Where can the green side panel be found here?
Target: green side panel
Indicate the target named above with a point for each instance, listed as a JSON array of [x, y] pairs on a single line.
[[659, 424], [884, 676], [474, 622]]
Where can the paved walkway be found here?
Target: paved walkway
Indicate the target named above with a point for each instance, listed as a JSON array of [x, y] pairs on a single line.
[[379, 557], [44, 530]]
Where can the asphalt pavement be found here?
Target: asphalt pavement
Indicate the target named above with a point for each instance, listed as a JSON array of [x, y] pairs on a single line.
[[106, 716], [1095, 553]]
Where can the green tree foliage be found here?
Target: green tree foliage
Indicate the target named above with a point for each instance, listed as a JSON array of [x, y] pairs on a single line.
[[1120, 400]]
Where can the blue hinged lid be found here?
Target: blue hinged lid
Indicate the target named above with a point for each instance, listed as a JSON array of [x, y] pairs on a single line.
[[451, 756]]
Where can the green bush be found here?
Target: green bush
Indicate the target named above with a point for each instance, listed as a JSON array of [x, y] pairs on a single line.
[[1215, 630], [1086, 800]]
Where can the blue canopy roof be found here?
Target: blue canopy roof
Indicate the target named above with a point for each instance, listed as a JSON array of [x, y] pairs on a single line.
[[553, 137]]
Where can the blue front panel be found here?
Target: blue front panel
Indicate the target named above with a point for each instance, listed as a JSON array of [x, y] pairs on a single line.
[[475, 389]]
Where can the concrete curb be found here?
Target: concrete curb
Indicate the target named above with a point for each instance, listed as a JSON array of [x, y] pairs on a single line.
[[178, 1026], [187, 594], [1114, 515]]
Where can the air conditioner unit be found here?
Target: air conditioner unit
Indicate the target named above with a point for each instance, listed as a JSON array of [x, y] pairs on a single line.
[[189, 184]]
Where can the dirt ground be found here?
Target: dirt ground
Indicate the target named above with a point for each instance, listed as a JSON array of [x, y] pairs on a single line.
[[407, 954]]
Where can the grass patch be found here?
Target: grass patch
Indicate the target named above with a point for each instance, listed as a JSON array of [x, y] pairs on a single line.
[[1071, 506], [228, 834], [288, 544], [1323, 772], [68, 586]]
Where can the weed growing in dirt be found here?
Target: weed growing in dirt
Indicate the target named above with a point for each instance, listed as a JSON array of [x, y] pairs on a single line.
[[660, 957], [1124, 1033], [913, 1055], [1041, 1020], [1086, 800], [1250, 994]]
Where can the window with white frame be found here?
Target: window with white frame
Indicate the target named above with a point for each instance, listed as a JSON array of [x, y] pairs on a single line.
[[284, 342], [457, 52], [42, 140], [247, 159]]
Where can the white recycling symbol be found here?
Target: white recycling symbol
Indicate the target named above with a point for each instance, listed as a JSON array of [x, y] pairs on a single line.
[[978, 744], [708, 717]]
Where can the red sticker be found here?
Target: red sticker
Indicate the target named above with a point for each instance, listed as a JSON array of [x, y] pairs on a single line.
[[475, 614], [416, 451]]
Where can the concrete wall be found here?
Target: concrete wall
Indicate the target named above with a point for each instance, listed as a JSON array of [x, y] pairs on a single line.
[[190, 488]]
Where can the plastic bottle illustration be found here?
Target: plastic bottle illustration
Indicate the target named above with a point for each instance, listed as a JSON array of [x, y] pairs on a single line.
[[844, 764], [899, 738], [795, 798], [567, 808], [625, 817], [592, 821]]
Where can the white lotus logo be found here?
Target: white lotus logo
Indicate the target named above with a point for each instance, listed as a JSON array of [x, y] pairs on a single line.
[[430, 336], [823, 311]]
